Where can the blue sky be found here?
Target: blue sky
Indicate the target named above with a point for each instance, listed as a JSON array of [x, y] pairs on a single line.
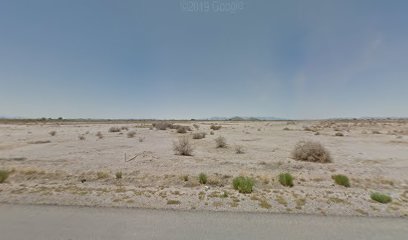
[[159, 59]]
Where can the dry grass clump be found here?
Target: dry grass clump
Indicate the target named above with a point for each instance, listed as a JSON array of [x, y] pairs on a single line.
[[114, 129], [196, 126], [199, 135], [124, 128], [376, 132], [202, 178], [339, 134], [53, 133], [141, 139], [131, 134], [81, 137], [102, 175], [118, 175], [183, 146], [311, 151], [239, 149], [4, 175], [220, 142], [99, 135], [215, 127], [211, 133]]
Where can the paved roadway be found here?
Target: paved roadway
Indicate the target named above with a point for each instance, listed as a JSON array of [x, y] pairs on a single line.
[[52, 222]]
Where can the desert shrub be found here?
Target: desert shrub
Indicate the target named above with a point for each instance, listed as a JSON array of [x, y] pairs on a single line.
[[243, 184], [4, 175], [199, 135], [183, 146], [220, 142], [381, 198], [131, 134], [118, 175], [141, 139], [341, 180], [311, 152], [239, 149], [52, 133], [162, 125], [173, 202], [202, 178], [339, 134], [286, 179], [114, 129], [99, 135], [196, 126], [215, 127], [376, 132], [81, 137], [211, 133], [124, 128], [181, 129], [286, 129]]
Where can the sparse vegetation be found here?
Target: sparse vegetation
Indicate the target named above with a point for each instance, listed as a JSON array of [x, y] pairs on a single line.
[[141, 139], [376, 132], [339, 134], [211, 133], [53, 133], [131, 134], [243, 184], [239, 149], [118, 175], [182, 129], [185, 178], [311, 152], [183, 146], [39, 142], [162, 125], [215, 127], [221, 142], [381, 198], [196, 126], [99, 135], [114, 129], [173, 202], [102, 175], [286, 179], [202, 178], [81, 137], [4, 175], [199, 135], [124, 128], [341, 180]]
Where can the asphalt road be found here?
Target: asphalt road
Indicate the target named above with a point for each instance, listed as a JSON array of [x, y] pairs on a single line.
[[52, 222]]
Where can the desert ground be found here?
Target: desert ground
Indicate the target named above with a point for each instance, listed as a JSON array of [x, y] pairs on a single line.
[[66, 163]]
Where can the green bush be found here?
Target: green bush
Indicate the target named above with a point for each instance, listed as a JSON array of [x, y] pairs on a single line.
[[118, 175], [381, 198], [286, 179], [341, 180], [4, 175], [202, 178], [243, 184]]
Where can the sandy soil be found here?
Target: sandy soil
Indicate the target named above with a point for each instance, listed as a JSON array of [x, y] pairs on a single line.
[[66, 170]]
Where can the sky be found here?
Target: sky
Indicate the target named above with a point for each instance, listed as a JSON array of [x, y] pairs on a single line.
[[182, 59]]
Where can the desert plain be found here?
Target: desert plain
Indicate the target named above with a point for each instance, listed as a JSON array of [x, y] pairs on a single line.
[[85, 163]]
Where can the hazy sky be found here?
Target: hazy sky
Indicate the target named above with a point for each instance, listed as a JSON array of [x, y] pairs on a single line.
[[174, 59]]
